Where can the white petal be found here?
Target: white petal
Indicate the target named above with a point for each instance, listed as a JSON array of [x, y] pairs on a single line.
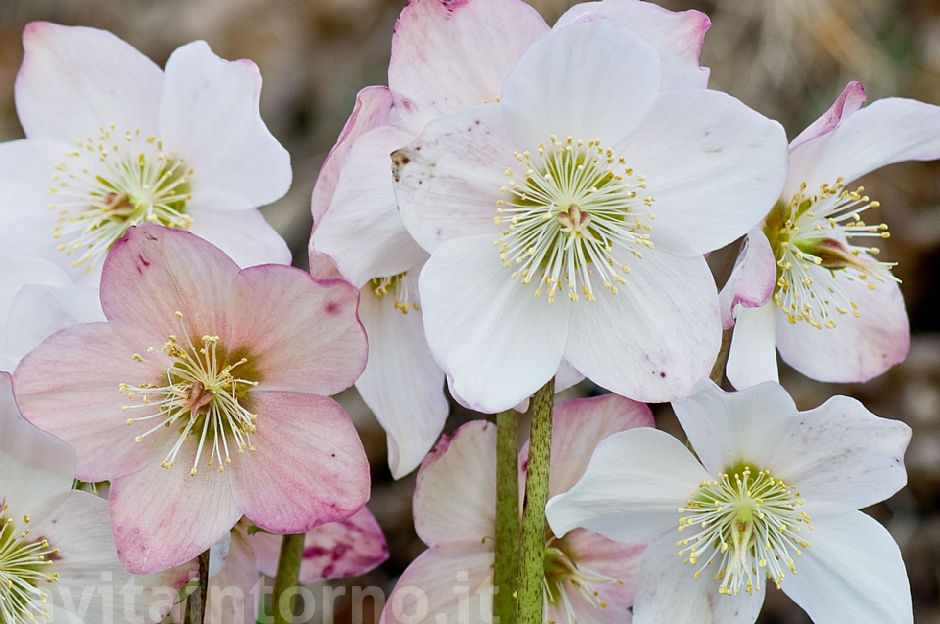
[[856, 349], [714, 168], [667, 592], [887, 131], [852, 572], [209, 116], [725, 428], [401, 384], [753, 279], [848, 102], [657, 336], [634, 484], [842, 453], [18, 272], [752, 358], [362, 230], [678, 37], [244, 235], [509, 343], [449, 179], [590, 80], [455, 496], [75, 80]]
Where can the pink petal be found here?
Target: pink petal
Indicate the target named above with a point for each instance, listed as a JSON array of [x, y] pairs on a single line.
[[75, 79], [311, 341], [753, 279], [309, 467], [452, 55], [455, 496], [235, 593], [848, 102], [335, 550]]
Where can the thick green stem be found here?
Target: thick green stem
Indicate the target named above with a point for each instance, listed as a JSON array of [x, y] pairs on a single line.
[[288, 571], [718, 369], [532, 551], [196, 602], [507, 516]]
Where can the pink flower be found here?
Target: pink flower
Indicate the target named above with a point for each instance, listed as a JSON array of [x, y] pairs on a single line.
[[588, 578], [809, 282], [57, 559], [446, 57], [205, 396], [113, 141]]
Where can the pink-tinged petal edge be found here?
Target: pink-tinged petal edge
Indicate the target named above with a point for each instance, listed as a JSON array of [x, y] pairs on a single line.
[[848, 102], [752, 280]]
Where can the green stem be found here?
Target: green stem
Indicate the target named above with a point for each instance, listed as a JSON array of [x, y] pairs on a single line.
[[532, 552], [196, 602], [288, 571], [507, 515], [718, 370]]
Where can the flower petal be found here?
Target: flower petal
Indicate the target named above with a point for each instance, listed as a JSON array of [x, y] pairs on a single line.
[[209, 116], [402, 384], [244, 235], [309, 469], [707, 145], [447, 583], [848, 102], [752, 358], [312, 341], [235, 593], [631, 489], [452, 55], [335, 550], [577, 82], [752, 280], [667, 592], [853, 572], [842, 453], [455, 496], [678, 37], [856, 349], [19, 272], [362, 230], [888, 131], [509, 344], [76, 79], [657, 336]]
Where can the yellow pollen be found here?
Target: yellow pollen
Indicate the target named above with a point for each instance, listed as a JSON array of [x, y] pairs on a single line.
[[25, 567], [402, 289]]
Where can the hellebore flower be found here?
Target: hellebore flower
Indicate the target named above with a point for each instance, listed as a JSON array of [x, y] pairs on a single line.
[[770, 496], [205, 396]]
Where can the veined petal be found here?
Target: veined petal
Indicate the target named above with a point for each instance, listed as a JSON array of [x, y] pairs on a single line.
[[76, 80], [235, 593], [677, 36], [362, 230], [452, 55], [752, 280], [667, 592], [209, 116], [244, 235], [309, 467], [707, 145], [853, 572], [654, 338], [510, 342], [576, 82], [848, 102], [752, 358], [455, 497], [633, 485]]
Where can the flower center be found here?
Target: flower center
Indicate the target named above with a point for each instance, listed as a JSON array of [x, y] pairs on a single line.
[[570, 211], [404, 298], [203, 398], [563, 574], [25, 566], [746, 522], [814, 232], [111, 182]]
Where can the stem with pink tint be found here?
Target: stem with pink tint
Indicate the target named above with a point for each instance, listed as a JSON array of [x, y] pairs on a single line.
[[507, 516], [288, 573], [532, 551]]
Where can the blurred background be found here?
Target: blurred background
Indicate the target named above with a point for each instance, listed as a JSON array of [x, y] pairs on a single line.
[[788, 59]]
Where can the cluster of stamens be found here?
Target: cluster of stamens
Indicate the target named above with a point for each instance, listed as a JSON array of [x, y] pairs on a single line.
[[748, 524], [568, 212], [398, 285], [813, 232], [202, 399], [563, 574], [111, 182], [25, 567]]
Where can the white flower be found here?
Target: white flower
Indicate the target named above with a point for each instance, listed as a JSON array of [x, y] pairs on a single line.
[[114, 141], [772, 498]]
